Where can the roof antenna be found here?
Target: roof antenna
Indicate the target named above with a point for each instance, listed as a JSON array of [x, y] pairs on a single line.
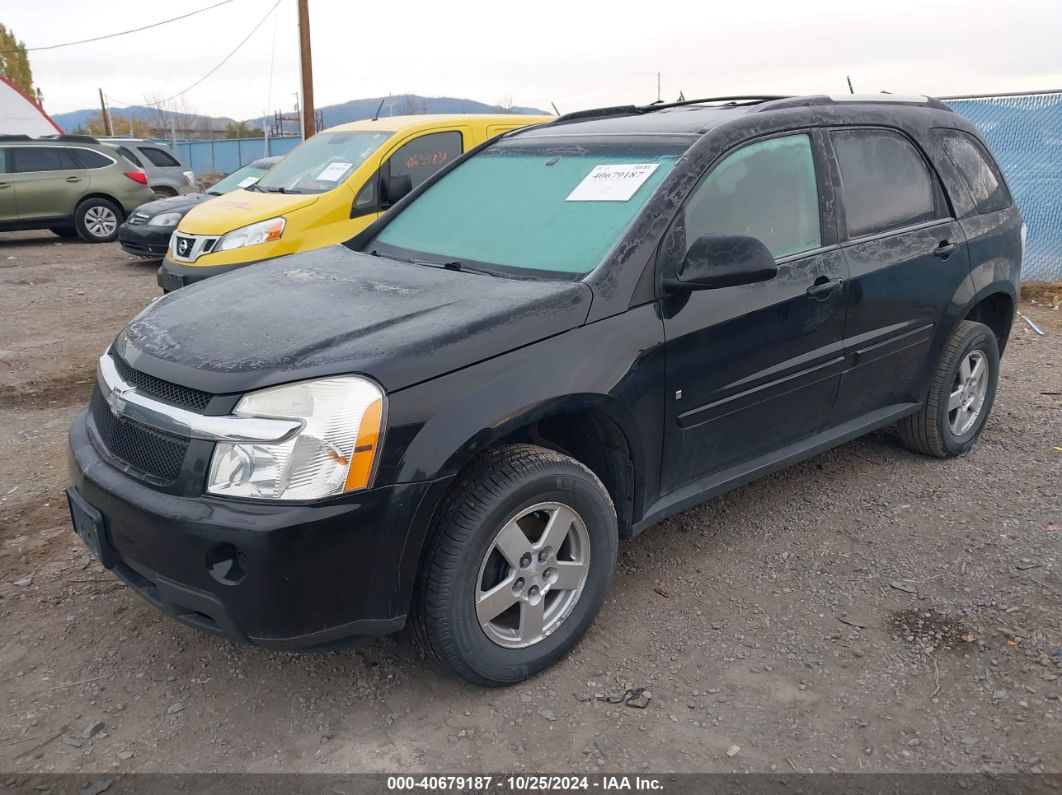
[[376, 115], [681, 97], [554, 104], [850, 89]]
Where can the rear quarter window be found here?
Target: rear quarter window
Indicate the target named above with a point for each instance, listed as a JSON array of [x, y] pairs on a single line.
[[127, 153], [979, 172], [87, 158], [159, 157], [885, 181]]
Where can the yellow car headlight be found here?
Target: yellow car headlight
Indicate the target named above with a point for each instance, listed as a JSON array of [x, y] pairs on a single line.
[[252, 235]]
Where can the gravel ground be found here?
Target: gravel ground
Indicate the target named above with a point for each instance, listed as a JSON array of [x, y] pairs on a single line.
[[868, 610]]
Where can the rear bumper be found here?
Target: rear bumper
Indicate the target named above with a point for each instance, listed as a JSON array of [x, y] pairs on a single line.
[[279, 576], [143, 240]]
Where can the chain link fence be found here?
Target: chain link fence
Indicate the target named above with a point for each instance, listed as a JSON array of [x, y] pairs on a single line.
[[1024, 132]]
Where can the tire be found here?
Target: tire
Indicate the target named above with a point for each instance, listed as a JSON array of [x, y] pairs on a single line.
[[64, 231], [164, 193], [938, 429], [97, 220], [463, 560]]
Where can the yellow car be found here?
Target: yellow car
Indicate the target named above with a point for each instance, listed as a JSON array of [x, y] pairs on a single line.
[[323, 192]]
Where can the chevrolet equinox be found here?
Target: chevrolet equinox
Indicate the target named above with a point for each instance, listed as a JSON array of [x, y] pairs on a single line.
[[563, 337]]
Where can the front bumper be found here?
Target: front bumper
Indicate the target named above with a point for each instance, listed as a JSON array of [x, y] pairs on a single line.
[[173, 275], [304, 575], [143, 240]]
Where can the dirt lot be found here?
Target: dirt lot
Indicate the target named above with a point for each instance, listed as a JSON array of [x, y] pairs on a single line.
[[869, 610]]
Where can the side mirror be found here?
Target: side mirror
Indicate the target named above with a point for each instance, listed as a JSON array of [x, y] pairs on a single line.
[[395, 187], [715, 261]]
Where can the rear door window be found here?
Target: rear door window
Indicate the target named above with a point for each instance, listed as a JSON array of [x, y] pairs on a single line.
[[29, 159], [159, 157], [979, 172], [886, 183], [767, 190], [423, 156]]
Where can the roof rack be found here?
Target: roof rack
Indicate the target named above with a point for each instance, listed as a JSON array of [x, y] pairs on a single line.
[[631, 110], [883, 98], [741, 99], [80, 139], [14, 137]]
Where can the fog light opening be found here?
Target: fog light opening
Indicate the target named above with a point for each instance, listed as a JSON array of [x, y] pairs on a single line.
[[226, 564]]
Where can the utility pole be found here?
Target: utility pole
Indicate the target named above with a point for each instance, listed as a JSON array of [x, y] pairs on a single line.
[[658, 87], [308, 116], [106, 116]]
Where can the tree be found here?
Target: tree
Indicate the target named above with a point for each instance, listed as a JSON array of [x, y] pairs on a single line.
[[123, 126], [242, 129], [505, 104], [14, 62]]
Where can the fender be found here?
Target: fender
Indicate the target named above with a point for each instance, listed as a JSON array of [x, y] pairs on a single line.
[[437, 427]]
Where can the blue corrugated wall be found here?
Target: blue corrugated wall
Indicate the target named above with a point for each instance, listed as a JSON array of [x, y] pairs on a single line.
[[1025, 135], [227, 155]]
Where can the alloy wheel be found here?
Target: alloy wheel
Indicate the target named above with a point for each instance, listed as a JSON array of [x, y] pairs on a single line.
[[968, 392], [100, 221], [532, 575]]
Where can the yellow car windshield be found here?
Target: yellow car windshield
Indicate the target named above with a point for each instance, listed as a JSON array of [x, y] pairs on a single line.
[[322, 163]]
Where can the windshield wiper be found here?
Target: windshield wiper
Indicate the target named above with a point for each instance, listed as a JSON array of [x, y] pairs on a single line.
[[455, 265]]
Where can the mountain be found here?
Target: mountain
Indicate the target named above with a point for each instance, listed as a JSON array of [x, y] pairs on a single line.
[[400, 105], [353, 110]]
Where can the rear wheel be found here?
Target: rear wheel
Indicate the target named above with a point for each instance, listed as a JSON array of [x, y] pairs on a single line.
[[164, 192], [960, 394], [97, 220], [518, 565]]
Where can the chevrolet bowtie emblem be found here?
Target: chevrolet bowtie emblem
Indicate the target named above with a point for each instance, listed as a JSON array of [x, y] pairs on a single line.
[[116, 399]]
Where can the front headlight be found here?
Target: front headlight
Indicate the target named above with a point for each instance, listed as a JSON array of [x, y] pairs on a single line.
[[262, 232], [334, 451], [166, 219]]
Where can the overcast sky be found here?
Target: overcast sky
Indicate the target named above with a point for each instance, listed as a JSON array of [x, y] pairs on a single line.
[[576, 54]]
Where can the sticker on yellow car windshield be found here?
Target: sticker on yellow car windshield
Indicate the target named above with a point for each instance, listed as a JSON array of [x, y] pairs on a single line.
[[333, 171], [615, 182]]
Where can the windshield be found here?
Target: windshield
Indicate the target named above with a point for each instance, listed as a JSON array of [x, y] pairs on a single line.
[[322, 163], [530, 208], [240, 178]]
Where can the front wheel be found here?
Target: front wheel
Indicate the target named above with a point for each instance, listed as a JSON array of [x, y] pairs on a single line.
[[97, 220], [518, 565], [961, 393]]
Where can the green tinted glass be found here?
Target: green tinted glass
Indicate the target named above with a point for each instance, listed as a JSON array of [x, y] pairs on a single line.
[[510, 206], [766, 190]]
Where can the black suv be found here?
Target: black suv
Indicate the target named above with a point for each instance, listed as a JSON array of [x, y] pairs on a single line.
[[566, 336]]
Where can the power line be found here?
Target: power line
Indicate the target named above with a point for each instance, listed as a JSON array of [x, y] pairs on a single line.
[[218, 66], [120, 33]]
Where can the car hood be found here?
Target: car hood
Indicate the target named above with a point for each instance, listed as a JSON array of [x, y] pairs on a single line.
[[242, 207], [335, 311], [172, 204]]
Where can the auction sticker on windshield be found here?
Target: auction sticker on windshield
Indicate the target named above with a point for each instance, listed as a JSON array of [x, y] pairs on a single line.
[[615, 182], [333, 171]]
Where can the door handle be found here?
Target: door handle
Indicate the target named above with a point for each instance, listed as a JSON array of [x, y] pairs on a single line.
[[5, 185], [943, 251], [73, 179], [824, 287]]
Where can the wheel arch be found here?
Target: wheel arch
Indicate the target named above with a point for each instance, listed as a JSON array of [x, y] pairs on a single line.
[[594, 429], [105, 197], [995, 306]]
